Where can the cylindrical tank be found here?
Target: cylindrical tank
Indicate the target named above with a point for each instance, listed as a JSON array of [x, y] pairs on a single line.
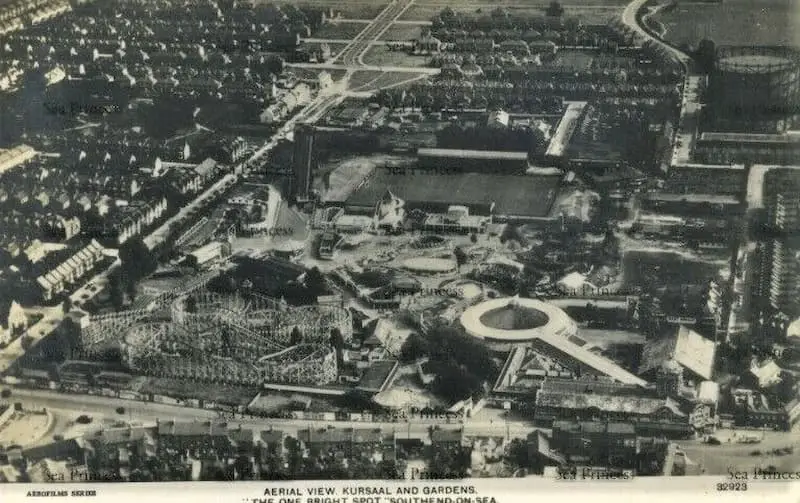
[[753, 82]]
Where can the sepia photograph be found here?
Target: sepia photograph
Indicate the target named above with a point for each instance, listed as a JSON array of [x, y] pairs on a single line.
[[419, 244]]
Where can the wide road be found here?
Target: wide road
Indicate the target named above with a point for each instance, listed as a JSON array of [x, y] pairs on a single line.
[[352, 54], [630, 19], [150, 411]]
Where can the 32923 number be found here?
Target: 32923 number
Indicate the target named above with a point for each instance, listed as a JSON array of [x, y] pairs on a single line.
[[732, 486]]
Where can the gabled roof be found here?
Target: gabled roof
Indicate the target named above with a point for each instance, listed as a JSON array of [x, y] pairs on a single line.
[[690, 349]]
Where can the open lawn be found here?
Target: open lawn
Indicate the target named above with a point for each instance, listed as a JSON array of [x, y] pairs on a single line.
[[363, 78], [527, 195], [371, 81], [310, 73], [339, 30], [179, 388], [335, 47], [353, 9], [734, 22], [381, 55], [590, 11], [402, 32]]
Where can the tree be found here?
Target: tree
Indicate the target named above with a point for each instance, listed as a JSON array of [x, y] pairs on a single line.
[[414, 347], [336, 339], [116, 294], [517, 453], [130, 289], [5, 393], [460, 256], [512, 232], [275, 64], [555, 9], [315, 282], [473, 238], [296, 337], [137, 259], [448, 462], [191, 304], [26, 342]]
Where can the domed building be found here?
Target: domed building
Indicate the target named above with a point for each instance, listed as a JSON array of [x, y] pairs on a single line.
[[505, 323]]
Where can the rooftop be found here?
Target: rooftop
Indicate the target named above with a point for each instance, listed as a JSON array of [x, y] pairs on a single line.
[[472, 154], [608, 403], [750, 138]]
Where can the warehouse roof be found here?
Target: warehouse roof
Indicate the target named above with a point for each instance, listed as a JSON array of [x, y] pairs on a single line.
[[472, 154], [750, 138]]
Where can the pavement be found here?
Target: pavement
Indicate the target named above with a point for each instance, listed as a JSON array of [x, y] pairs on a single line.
[[352, 54], [65, 404], [374, 68]]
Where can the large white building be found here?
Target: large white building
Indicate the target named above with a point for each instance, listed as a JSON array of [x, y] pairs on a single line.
[[11, 158], [71, 270], [12, 323]]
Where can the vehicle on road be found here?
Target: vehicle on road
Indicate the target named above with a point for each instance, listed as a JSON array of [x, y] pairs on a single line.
[[748, 439]]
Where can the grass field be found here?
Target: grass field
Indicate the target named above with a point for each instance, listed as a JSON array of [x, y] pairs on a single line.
[[369, 81], [734, 22], [361, 78], [401, 32], [341, 30], [179, 388], [382, 56], [335, 47], [527, 195], [310, 73], [353, 9], [590, 11]]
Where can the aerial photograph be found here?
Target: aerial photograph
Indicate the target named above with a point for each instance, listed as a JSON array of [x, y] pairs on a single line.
[[399, 240]]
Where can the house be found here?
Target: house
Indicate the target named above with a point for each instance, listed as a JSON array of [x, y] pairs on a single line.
[[764, 375], [595, 442], [56, 280], [13, 322], [35, 251], [271, 443], [588, 400], [49, 470], [690, 350], [61, 228], [427, 44], [447, 437]]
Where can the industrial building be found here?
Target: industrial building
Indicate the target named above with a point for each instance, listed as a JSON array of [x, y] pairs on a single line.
[[507, 196], [784, 278], [474, 161], [717, 179], [691, 205], [751, 86], [726, 148], [595, 443], [11, 158], [304, 161], [586, 400], [209, 254], [784, 213]]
